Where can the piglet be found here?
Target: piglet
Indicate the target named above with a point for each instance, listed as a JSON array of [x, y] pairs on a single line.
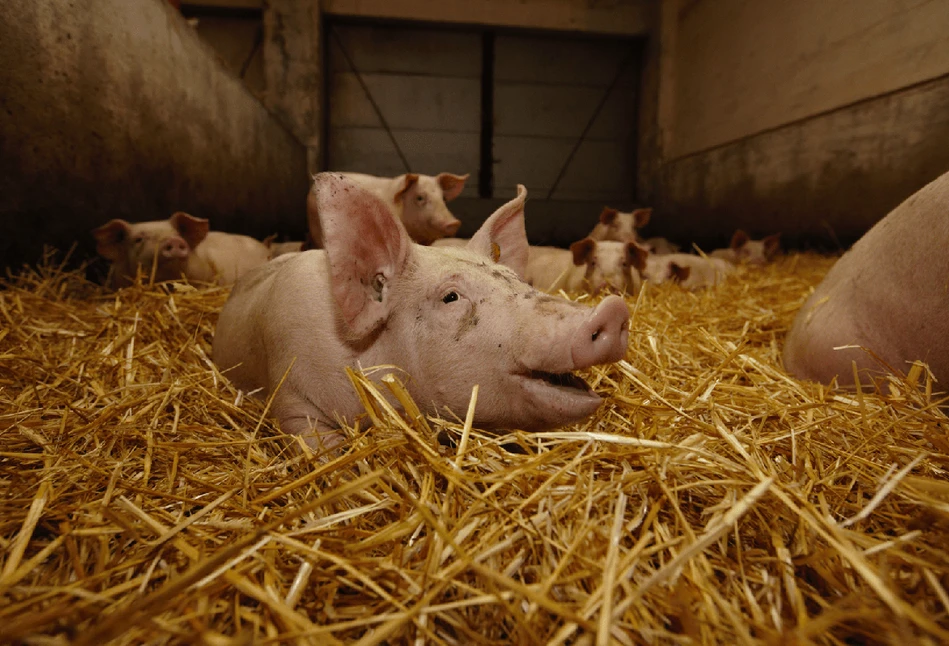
[[279, 248], [689, 271], [417, 200], [449, 318], [588, 266], [181, 246], [753, 252], [620, 226], [884, 303]]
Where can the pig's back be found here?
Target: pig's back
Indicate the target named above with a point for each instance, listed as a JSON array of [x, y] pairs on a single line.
[[549, 268], [232, 255], [889, 293], [279, 315]]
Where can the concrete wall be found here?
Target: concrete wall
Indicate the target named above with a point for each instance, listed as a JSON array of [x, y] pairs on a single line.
[[117, 109], [809, 117]]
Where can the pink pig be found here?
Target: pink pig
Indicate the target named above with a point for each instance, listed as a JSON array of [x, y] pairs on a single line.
[[417, 200], [608, 264], [753, 252], [181, 246], [619, 226], [691, 272], [889, 294], [449, 318]]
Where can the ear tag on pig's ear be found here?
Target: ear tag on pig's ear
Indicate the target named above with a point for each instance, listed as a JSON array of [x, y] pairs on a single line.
[[495, 252], [378, 286]]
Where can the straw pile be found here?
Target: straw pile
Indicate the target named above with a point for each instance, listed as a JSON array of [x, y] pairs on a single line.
[[712, 499]]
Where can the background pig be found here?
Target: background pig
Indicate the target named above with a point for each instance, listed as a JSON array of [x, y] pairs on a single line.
[[888, 294], [588, 266], [609, 264], [180, 246], [449, 317], [690, 271], [753, 252], [619, 226], [417, 200], [280, 248], [660, 246]]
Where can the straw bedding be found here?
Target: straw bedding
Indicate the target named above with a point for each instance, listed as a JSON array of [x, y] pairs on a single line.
[[712, 499]]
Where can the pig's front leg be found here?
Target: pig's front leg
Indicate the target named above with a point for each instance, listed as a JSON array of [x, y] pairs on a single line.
[[299, 416]]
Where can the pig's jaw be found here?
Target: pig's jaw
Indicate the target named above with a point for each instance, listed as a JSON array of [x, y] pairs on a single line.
[[565, 395]]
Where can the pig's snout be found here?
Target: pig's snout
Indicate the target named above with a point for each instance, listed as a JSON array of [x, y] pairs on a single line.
[[174, 248], [603, 337], [451, 228]]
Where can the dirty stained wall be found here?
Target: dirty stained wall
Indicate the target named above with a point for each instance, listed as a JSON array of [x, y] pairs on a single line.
[[812, 118], [117, 109]]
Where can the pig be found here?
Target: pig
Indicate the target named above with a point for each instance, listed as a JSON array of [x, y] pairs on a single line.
[[690, 271], [660, 246], [417, 200], [609, 264], [181, 246], [451, 242], [884, 303], [279, 248], [619, 226], [753, 252], [449, 318]]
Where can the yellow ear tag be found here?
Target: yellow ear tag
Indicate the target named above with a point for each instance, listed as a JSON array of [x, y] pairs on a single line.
[[495, 252]]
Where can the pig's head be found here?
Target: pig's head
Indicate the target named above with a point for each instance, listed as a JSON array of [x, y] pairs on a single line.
[[622, 227], [165, 245], [610, 264], [755, 252], [456, 317], [423, 197]]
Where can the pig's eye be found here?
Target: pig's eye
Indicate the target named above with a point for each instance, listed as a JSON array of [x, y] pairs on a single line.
[[420, 199], [138, 239], [450, 297]]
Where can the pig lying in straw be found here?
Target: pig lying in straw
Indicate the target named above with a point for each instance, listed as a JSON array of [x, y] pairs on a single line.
[[619, 226], [587, 266], [753, 252], [449, 317], [889, 294], [180, 246], [417, 200], [689, 271]]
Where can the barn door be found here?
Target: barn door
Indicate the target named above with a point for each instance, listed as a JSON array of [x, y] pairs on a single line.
[[404, 99], [555, 112], [565, 113]]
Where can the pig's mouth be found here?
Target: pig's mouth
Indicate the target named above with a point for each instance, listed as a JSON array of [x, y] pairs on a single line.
[[566, 380], [563, 394]]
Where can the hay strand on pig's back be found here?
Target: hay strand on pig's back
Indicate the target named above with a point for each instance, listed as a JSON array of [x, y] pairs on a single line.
[[712, 499]]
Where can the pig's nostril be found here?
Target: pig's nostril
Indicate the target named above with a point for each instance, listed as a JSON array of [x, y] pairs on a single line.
[[595, 335]]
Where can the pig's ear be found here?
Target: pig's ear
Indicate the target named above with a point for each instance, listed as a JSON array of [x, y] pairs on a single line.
[[408, 181], [192, 229], [636, 256], [503, 237], [608, 215], [772, 245], [452, 185], [582, 251], [641, 217], [679, 273], [739, 240], [110, 238], [367, 249]]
